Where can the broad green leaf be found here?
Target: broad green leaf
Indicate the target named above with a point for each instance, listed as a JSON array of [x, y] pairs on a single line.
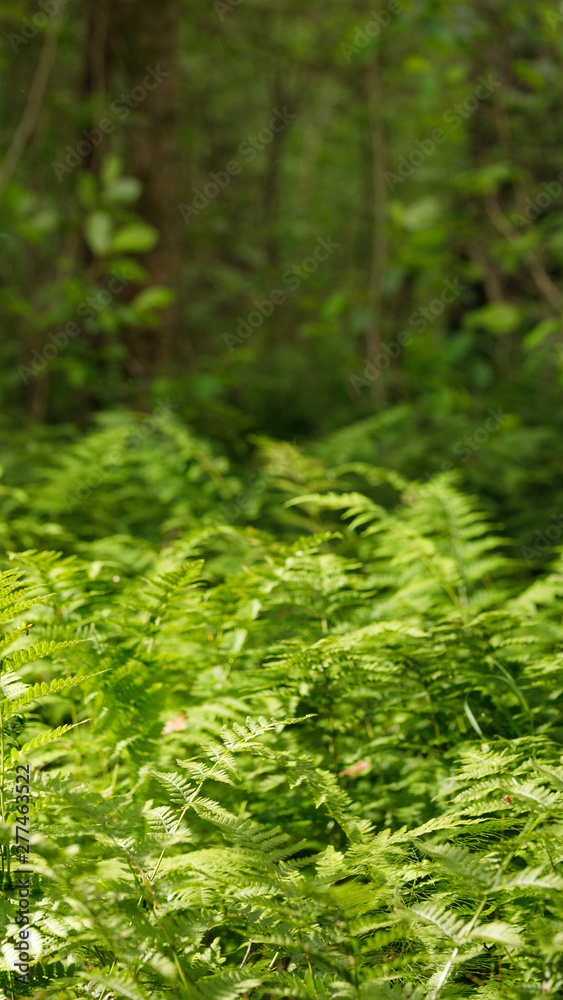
[[137, 237], [98, 232]]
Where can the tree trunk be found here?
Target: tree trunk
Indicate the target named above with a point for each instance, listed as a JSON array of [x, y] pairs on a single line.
[[150, 35], [374, 337]]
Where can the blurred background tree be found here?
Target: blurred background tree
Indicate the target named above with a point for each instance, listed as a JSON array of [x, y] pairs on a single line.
[[171, 168]]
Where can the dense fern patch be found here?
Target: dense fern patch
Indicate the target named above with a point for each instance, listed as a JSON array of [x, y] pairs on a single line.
[[317, 759]]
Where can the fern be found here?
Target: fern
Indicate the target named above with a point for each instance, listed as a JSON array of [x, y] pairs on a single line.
[[321, 763]]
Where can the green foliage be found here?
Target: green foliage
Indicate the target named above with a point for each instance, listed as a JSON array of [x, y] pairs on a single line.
[[480, 208], [291, 713], [326, 765]]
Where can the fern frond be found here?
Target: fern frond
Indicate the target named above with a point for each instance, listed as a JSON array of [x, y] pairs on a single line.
[[38, 741], [40, 690], [36, 652]]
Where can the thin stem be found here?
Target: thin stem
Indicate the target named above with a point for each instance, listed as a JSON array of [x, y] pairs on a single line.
[[469, 927], [191, 799], [245, 959], [543, 282], [379, 234], [35, 97]]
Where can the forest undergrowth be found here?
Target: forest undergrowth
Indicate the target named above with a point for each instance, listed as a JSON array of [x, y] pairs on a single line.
[[296, 735]]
